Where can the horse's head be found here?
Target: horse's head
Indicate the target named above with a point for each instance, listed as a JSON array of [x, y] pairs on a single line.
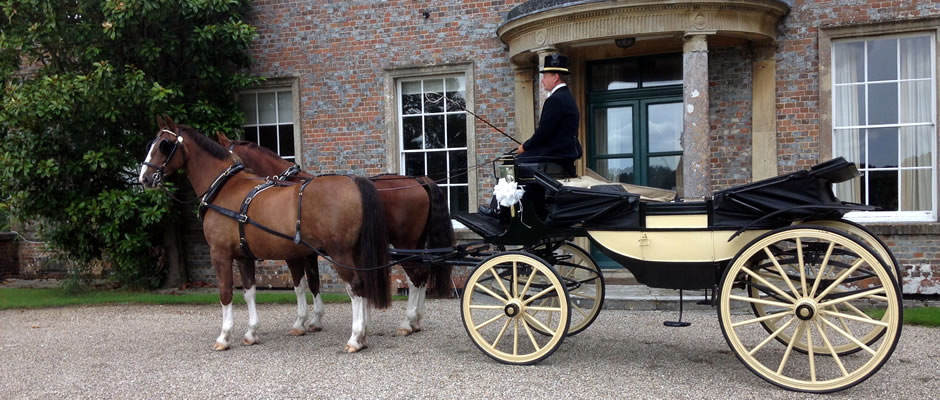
[[162, 152]]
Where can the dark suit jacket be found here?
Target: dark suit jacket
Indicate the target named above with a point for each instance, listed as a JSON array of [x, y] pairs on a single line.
[[556, 138]]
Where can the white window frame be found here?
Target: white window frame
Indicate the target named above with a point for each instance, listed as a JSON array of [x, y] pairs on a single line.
[[890, 216], [276, 85], [395, 158]]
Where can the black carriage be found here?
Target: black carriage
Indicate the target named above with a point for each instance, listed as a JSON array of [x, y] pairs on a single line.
[[806, 300]]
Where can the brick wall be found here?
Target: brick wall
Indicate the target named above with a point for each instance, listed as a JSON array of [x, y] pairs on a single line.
[[729, 96], [9, 255]]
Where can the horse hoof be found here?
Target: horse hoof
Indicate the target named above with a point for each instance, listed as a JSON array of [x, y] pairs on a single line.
[[313, 328], [403, 332], [220, 346], [350, 349], [297, 332], [249, 342]]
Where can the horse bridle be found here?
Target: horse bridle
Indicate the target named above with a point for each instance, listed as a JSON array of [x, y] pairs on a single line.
[[158, 176]]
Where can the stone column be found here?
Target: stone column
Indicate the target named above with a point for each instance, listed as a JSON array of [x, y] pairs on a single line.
[[524, 93], [764, 114], [696, 168], [542, 95]]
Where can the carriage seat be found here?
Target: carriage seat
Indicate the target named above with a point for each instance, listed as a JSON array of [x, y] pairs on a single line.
[[592, 180]]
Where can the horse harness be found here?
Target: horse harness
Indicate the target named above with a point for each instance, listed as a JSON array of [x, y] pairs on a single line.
[[242, 215]]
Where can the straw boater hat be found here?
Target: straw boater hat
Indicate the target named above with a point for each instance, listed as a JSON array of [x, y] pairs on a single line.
[[555, 63]]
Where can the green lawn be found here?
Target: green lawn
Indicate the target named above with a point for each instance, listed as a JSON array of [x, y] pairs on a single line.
[[38, 298], [925, 316]]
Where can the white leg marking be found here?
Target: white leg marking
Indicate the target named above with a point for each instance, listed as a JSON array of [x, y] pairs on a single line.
[[300, 323], [419, 310], [316, 323], [360, 316], [227, 323], [250, 336], [411, 311]]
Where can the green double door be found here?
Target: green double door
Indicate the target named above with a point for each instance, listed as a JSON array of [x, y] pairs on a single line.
[[634, 130]]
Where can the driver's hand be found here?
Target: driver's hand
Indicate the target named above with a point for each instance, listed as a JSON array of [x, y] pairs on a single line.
[[520, 149]]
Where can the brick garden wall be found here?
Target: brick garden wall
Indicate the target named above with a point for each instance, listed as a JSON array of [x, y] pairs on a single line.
[[9, 255]]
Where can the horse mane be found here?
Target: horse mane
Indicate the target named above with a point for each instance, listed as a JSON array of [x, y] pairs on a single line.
[[256, 147], [214, 149]]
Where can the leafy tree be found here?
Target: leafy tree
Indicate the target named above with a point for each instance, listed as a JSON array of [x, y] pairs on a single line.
[[81, 83]]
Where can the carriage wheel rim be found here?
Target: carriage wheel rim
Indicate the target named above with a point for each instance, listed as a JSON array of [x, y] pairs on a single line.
[[512, 306], [793, 298]]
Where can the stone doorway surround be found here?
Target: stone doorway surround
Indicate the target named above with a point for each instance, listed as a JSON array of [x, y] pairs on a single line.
[[588, 30]]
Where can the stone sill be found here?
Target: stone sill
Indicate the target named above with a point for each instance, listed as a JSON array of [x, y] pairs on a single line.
[[914, 228]]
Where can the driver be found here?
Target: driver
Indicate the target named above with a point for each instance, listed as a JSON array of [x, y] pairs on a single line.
[[554, 146]]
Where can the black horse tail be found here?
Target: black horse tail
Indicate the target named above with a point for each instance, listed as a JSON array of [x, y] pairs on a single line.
[[439, 233], [373, 247]]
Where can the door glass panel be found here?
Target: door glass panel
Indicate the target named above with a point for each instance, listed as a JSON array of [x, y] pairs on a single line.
[[662, 70], [614, 76], [617, 169], [662, 172], [664, 122], [613, 130]]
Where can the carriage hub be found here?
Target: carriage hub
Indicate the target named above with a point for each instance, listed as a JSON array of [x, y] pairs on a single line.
[[512, 309], [806, 310]]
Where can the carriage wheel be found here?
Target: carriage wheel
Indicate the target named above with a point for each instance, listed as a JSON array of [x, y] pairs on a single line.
[[498, 303], [585, 284], [857, 231], [829, 292]]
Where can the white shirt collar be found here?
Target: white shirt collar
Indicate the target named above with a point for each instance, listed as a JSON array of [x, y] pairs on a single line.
[[559, 86]]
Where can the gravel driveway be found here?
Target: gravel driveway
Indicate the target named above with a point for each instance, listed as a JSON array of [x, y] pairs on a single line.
[[165, 352]]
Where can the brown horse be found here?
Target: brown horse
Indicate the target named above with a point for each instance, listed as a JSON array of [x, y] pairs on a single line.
[[416, 216], [340, 214]]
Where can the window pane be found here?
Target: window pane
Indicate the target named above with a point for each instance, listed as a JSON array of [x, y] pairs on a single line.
[[411, 97], [616, 170], [456, 94], [849, 190], [251, 134], [662, 172], [849, 106], [916, 189], [664, 127], [248, 108], [614, 130], [883, 189], [457, 130], [437, 165], [916, 146], [915, 57], [915, 102], [458, 166], [411, 133], [882, 60], [434, 131], [883, 103], [286, 133], [433, 90], [662, 70], [267, 108], [883, 148], [850, 144], [268, 137], [459, 199], [285, 107], [612, 76], [414, 164], [849, 60]]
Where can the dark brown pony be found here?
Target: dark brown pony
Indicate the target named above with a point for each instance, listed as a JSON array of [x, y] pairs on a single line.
[[416, 216], [339, 214]]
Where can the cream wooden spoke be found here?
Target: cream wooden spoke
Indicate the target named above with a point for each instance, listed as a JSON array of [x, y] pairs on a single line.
[[768, 317], [537, 295], [822, 269], [856, 296], [866, 319], [839, 280], [780, 271], [485, 307], [489, 321], [879, 298], [786, 354], [490, 292], [515, 279], [768, 284], [761, 301], [583, 313], [771, 337], [515, 337], [842, 322], [528, 332], [501, 332], [799, 261], [499, 280], [528, 283], [848, 336], [543, 308], [539, 325], [832, 350], [854, 309], [809, 352]]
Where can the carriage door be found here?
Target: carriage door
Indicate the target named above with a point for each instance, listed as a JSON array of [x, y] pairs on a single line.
[[635, 122]]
